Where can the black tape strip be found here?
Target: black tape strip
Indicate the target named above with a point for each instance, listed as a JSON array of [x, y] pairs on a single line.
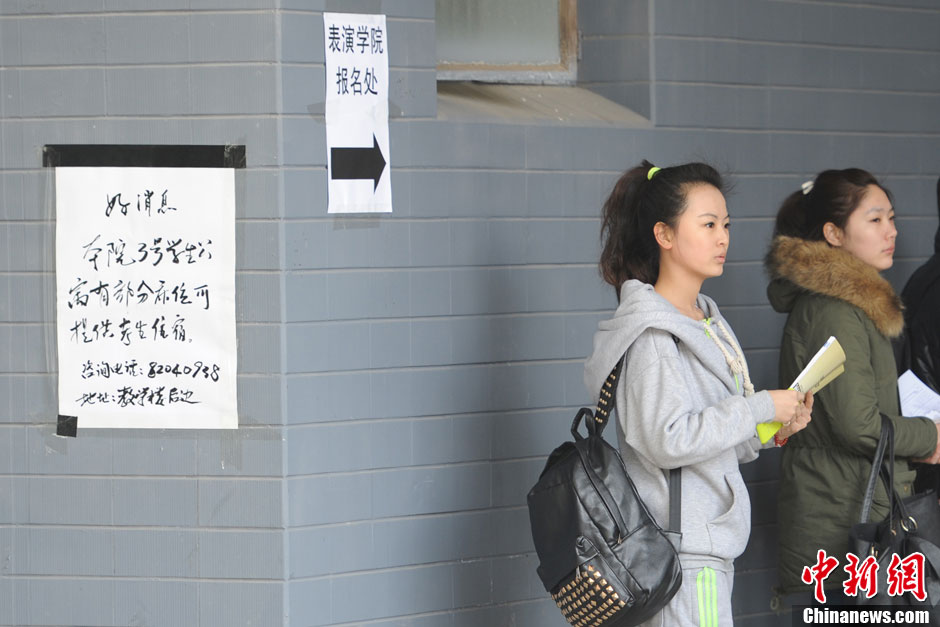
[[67, 426], [143, 156]]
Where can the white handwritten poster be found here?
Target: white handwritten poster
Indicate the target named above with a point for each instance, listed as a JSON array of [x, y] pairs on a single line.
[[145, 297]]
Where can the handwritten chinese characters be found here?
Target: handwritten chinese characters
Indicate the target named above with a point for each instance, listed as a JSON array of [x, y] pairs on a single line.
[[145, 297], [122, 207], [173, 249], [127, 293]]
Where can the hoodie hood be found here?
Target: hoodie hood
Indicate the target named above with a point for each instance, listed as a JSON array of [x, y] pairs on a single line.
[[642, 308], [797, 266]]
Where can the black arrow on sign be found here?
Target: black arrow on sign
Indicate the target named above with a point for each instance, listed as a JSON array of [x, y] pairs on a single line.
[[358, 163]]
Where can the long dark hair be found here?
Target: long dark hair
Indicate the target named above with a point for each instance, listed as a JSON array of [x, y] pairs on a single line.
[[637, 202], [833, 196]]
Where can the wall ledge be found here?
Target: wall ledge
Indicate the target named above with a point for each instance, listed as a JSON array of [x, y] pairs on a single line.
[[561, 105]]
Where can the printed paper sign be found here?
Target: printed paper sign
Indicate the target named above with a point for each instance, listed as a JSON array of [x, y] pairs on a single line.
[[358, 163], [145, 297]]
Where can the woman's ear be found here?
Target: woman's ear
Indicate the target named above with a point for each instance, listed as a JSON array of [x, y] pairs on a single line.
[[663, 234], [833, 234]]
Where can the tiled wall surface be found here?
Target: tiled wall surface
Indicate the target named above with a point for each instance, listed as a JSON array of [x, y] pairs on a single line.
[[134, 527], [402, 376]]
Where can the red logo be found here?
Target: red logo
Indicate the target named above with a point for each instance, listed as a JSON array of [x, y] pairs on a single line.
[[862, 576], [817, 574]]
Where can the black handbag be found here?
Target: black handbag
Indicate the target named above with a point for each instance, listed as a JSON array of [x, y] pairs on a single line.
[[602, 557], [912, 525]]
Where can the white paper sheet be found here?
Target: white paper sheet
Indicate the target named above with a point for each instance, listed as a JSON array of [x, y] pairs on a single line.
[[145, 297], [916, 398], [356, 108]]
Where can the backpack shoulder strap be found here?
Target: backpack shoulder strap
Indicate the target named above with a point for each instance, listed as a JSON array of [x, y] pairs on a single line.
[[607, 402]]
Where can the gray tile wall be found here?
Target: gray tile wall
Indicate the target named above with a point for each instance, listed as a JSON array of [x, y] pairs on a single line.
[[617, 50], [402, 376], [131, 527]]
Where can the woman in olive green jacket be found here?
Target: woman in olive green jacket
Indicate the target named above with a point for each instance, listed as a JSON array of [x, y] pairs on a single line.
[[831, 241]]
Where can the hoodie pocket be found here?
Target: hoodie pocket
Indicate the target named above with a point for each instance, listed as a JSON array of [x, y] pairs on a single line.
[[729, 532]]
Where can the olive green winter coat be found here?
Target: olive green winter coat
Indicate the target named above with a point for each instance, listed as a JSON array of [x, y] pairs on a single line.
[[826, 291]]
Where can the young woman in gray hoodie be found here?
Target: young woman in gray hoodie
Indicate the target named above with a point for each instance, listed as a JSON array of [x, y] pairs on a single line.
[[685, 400]]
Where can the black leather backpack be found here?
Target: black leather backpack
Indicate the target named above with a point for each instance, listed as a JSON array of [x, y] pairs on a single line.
[[602, 557]]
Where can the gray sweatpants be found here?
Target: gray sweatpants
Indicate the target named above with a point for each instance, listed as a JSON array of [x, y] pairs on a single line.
[[703, 600]]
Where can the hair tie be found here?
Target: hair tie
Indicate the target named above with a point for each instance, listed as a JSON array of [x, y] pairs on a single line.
[[652, 172], [807, 187]]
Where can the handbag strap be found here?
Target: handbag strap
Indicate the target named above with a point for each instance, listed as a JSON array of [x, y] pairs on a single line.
[[885, 469], [876, 465], [607, 402]]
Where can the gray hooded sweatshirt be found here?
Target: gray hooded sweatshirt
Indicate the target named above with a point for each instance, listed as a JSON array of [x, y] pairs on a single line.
[[679, 405]]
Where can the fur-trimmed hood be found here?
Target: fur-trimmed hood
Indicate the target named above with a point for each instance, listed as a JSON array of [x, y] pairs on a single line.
[[797, 265]]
